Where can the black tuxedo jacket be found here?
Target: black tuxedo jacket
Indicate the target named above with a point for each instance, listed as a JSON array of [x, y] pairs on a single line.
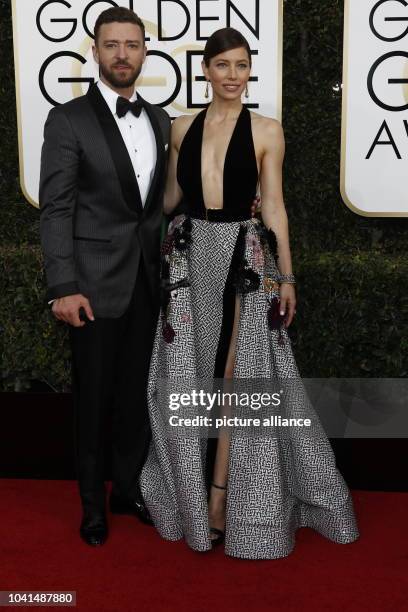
[[94, 229]]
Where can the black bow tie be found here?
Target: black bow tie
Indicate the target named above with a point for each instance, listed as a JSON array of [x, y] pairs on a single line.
[[123, 105]]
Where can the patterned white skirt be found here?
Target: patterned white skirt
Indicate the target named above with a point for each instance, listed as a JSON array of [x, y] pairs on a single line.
[[275, 485]]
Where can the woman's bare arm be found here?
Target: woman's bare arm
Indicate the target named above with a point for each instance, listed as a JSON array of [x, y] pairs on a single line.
[[273, 208]]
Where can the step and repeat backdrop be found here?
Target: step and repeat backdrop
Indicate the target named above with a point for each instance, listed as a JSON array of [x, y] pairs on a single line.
[[53, 58], [345, 117]]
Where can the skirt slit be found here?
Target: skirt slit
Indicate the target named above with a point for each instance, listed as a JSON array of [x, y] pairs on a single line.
[[227, 325]]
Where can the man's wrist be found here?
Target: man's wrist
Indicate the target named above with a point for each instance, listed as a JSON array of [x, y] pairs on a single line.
[[62, 290]]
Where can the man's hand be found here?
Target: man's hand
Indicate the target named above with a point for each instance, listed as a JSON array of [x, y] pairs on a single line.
[[256, 206], [67, 309]]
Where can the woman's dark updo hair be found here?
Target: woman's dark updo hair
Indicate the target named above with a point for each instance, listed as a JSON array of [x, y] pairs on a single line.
[[225, 40]]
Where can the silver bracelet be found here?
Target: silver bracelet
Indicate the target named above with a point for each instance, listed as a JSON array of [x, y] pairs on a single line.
[[287, 278]]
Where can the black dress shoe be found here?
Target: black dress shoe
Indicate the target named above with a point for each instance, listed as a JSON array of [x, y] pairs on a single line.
[[94, 530], [220, 536], [135, 507]]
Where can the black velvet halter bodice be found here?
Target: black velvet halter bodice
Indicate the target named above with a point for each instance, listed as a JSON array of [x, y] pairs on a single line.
[[240, 178]]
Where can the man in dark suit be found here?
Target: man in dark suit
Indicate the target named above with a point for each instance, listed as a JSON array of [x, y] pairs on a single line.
[[101, 189]]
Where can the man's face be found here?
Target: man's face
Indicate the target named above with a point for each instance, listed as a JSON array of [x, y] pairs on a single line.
[[120, 52]]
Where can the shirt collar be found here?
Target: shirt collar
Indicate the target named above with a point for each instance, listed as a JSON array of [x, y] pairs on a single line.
[[111, 96]]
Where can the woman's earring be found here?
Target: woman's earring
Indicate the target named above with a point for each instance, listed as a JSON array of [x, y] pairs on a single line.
[[247, 91], [207, 90]]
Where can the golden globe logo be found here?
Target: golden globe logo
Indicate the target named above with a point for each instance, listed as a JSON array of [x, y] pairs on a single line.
[[62, 29]]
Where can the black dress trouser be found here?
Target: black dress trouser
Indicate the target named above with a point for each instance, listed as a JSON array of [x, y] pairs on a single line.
[[110, 363]]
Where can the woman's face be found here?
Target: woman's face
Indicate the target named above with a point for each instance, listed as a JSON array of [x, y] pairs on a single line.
[[229, 73]]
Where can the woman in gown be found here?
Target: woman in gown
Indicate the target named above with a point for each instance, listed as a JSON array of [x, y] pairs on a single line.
[[228, 298]]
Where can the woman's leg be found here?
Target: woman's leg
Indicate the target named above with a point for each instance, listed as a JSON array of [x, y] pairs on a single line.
[[216, 505]]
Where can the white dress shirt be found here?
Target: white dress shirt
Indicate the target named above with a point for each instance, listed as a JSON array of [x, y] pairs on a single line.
[[139, 138]]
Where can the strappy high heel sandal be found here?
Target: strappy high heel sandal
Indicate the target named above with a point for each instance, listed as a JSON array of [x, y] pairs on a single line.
[[214, 530]]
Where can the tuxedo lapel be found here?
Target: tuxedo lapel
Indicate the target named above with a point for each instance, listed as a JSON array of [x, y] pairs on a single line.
[[159, 168], [119, 152]]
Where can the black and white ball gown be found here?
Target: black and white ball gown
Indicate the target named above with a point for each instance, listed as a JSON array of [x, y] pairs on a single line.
[[275, 485]]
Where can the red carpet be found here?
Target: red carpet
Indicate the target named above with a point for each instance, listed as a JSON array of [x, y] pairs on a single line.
[[137, 570]]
